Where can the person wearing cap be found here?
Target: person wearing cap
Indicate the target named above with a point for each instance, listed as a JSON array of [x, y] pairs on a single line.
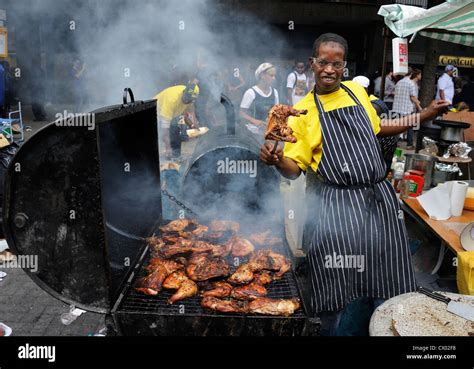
[[352, 211], [445, 87], [170, 104], [259, 99]]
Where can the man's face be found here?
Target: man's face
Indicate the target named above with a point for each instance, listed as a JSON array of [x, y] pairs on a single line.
[[300, 68], [450, 73], [328, 78]]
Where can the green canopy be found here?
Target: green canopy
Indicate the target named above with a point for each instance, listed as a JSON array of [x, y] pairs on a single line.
[[452, 21]]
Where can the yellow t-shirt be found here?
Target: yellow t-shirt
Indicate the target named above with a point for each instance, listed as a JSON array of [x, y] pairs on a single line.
[[307, 151], [169, 102]]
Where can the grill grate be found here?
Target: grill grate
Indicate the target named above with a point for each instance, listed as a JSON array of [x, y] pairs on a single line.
[[135, 302]]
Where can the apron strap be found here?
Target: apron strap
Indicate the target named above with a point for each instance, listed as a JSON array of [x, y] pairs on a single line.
[[345, 88]]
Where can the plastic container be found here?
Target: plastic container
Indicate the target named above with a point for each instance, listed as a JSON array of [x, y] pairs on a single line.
[[412, 184]]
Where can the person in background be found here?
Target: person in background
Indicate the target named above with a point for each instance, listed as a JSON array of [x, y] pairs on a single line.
[[259, 99], [297, 84], [389, 93], [353, 210], [467, 94], [170, 104], [234, 83], [403, 104], [445, 86]]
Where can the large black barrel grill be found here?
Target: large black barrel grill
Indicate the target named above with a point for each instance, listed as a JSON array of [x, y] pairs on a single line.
[[84, 200]]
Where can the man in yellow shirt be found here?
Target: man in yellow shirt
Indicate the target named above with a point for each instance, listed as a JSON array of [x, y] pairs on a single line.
[[359, 244], [170, 104]]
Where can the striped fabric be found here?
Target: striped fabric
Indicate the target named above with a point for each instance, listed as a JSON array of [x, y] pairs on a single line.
[[452, 21], [357, 217]]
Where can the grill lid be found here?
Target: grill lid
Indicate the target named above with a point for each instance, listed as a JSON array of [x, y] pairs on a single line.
[[62, 188]]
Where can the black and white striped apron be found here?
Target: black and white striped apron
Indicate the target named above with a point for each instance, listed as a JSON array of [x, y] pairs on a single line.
[[357, 219]]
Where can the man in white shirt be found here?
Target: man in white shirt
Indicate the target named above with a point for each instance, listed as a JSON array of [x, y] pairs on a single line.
[[297, 84], [445, 90]]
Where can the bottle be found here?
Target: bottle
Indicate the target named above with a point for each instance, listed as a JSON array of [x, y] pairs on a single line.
[[412, 184]]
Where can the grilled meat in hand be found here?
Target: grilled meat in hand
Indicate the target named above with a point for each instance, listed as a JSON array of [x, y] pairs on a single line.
[[219, 289], [278, 128], [158, 270], [264, 305], [249, 292], [201, 267], [240, 246], [225, 306]]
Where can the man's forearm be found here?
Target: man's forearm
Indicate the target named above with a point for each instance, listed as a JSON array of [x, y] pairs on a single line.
[[390, 127], [441, 94], [288, 168]]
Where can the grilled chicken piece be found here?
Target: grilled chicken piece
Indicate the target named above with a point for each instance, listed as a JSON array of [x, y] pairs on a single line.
[[264, 305], [243, 274], [249, 292], [169, 266], [269, 260], [264, 277], [181, 246], [265, 239], [199, 231], [158, 270], [201, 267], [185, 287], [177, 225], [277, 128], [223, 226], [220, 289], [241, 246], [174, 280], [225, 306], [155, 244]]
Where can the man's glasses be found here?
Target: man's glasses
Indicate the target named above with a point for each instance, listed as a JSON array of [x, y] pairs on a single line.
[[324, 63]]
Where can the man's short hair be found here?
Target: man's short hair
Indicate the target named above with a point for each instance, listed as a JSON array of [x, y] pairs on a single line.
[[330, 37]]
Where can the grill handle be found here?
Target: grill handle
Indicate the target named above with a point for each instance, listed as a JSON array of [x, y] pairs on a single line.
[[230, 114], [128, 91]]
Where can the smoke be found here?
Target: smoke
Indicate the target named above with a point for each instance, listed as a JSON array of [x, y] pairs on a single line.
[[146, 45]]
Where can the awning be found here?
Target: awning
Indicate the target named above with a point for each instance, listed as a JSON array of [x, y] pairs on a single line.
[[452, 21]]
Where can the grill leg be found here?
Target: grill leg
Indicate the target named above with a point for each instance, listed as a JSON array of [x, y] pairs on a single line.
[[110, 325]]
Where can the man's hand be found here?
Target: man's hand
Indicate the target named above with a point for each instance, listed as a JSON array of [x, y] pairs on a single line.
[[436, 108], [267, 157], [259, 122]]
